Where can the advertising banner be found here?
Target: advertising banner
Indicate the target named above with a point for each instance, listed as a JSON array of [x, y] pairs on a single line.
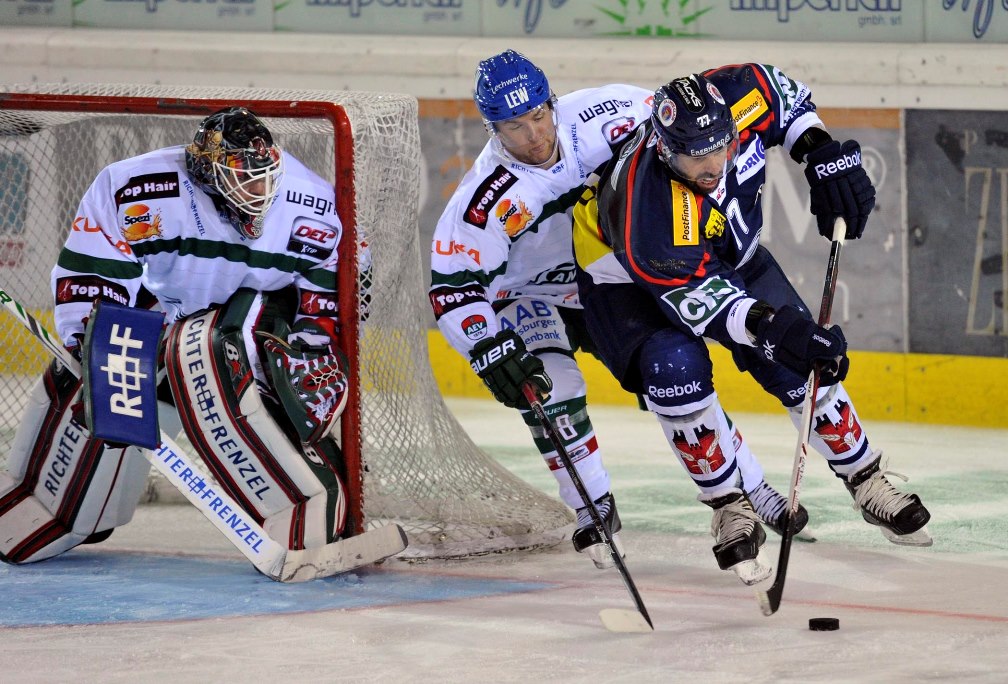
[[210, 15], [957, 219], [405, 17], [966, 21], [36, 13]]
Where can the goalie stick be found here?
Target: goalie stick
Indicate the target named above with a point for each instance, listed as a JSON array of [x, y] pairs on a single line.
[[269, 557], [614, 619], [770, 599]]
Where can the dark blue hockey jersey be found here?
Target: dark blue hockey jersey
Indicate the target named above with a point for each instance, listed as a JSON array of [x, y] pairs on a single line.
[[646, 227]]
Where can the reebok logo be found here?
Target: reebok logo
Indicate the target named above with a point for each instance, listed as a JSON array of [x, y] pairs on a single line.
[[674, 391], [768, 351], [848, 161]]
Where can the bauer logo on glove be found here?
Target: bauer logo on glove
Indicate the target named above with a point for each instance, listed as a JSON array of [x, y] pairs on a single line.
[[311, 384]]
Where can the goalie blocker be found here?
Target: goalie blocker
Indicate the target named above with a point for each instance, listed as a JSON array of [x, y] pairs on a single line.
[[60, 491]]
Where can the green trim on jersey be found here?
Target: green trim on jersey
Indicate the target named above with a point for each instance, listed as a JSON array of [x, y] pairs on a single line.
[[109, 268], [463, 278], [203, 249], [558, 206]]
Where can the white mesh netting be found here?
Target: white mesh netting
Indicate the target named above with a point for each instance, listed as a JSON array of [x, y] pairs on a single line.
[[420, 468]]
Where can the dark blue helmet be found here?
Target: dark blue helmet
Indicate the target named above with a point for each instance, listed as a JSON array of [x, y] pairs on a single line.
[[692, 119], [509, 85]]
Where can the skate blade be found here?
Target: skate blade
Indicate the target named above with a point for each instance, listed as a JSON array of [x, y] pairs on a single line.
[[919, 538], [602, 557], [753, 571]]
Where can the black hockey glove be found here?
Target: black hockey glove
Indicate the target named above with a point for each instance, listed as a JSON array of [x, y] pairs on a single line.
[[794, 341], [504, 364], [839, 187]]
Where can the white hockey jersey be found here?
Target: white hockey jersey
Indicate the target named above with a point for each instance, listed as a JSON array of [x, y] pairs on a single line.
[[143, 222], [506, 231]]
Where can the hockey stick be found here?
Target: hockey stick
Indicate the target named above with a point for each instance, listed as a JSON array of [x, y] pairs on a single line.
[[614, 619], [270, 558], [770, 599]]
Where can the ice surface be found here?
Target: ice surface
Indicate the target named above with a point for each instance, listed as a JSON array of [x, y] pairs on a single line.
[[166, 599]]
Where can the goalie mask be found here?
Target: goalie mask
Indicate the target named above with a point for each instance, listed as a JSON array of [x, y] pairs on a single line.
[[697, 136], [233, 157], [518, 108]]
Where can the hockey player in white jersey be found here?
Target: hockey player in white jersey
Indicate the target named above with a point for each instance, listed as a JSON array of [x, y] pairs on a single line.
[[502, 283], [236, 241]]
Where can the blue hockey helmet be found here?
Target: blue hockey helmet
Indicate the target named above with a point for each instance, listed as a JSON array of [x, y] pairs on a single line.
[[509, 85], [692, 121]]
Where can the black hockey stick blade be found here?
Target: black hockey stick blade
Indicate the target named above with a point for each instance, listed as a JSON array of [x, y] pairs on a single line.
[[613, 619], [770, 599]]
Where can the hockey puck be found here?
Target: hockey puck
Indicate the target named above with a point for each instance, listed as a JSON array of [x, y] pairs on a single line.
[[823, 624]]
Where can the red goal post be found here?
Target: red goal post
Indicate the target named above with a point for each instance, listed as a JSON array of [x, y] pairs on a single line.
[[409, 460]]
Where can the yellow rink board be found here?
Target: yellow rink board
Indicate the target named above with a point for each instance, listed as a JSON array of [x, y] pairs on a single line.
[[924, 388]]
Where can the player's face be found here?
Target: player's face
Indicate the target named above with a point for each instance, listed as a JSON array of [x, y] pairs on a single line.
[[530, 138], [704, 173]]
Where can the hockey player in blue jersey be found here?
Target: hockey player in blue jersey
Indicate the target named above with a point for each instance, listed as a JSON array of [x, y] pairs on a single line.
[[669, 254]]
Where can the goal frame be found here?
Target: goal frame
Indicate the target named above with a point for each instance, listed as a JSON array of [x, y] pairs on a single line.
[[347, 271]]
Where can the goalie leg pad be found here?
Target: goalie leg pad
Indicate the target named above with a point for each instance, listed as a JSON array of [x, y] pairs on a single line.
[[61, 486], [298, 502]]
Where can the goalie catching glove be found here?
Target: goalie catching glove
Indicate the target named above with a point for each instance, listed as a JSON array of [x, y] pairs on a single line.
[[308, 377], [789, 338], [504, 365], [839, 186]]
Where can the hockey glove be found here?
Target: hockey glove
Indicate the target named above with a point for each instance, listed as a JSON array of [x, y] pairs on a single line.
[[504, 364], [789, 338], [310, 383], [839, 187]]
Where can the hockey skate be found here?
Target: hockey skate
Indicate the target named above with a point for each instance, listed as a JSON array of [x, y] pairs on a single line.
[[739, 536], [588, 540], [901, 517], [770, 505]]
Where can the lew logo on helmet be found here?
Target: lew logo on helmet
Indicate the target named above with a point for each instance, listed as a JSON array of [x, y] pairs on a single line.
[[516, 97]]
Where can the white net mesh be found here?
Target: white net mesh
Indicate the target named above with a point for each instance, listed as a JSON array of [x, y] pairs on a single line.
[[419, 467]]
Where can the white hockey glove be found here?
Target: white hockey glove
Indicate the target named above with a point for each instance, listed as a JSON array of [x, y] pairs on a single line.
[[310, 382]]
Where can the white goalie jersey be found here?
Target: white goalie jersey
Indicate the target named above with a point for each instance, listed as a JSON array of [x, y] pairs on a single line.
[[506, 231], [143, 223]]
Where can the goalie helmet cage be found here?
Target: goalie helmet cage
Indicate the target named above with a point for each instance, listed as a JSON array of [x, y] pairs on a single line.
[[409, 459]]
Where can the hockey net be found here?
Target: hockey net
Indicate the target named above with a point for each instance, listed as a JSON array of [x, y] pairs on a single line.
[[410, 461]]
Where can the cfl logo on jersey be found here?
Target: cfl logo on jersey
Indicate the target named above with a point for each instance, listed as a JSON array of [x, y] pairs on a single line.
[[475, 327], [697, 306], [617, 129]]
